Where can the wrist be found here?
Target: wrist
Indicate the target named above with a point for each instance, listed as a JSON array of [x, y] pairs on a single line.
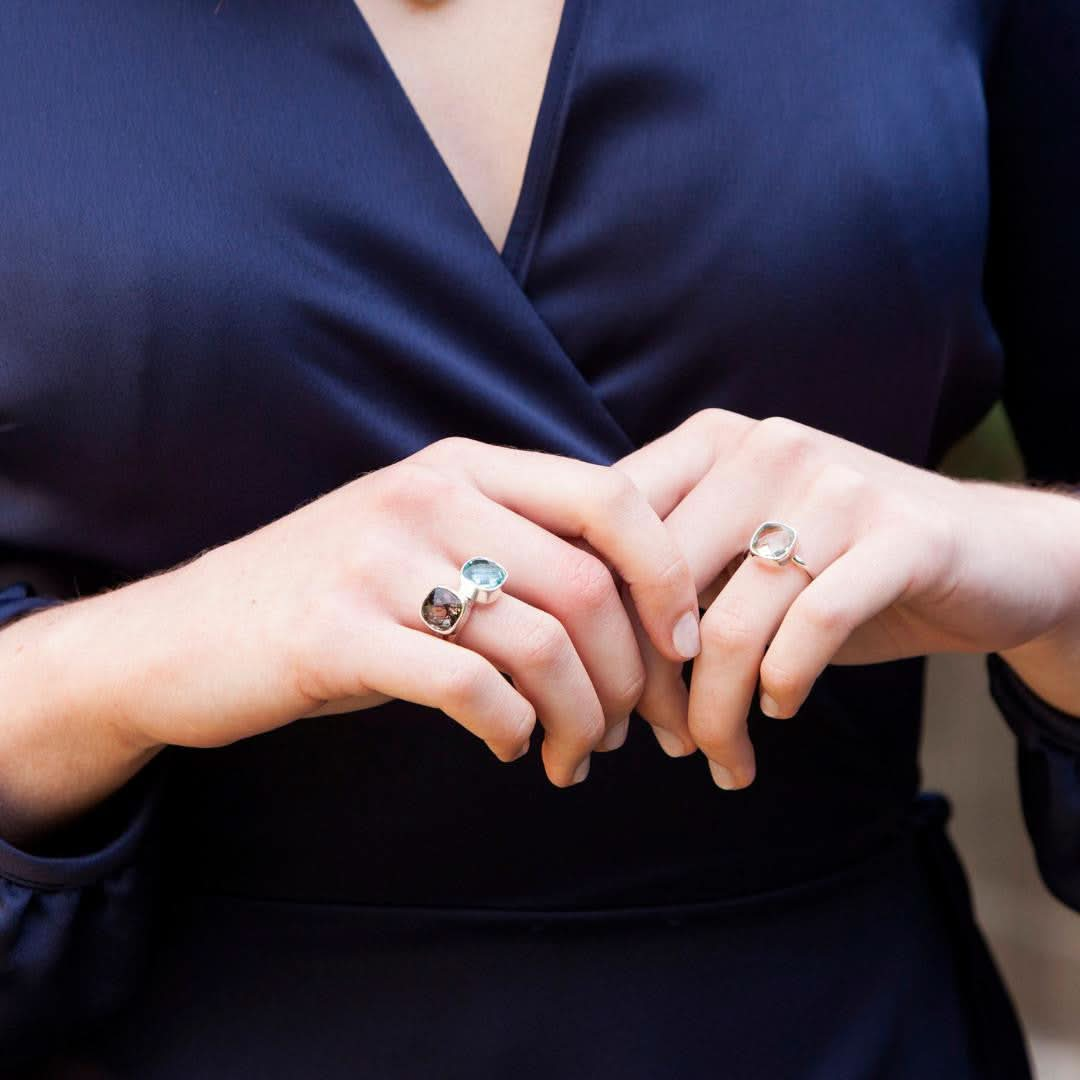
[[1049, 661], [61, 752], [91, 654]]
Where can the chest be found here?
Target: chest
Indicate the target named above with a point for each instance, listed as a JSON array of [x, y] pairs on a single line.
[[286, 216], [475, 71]]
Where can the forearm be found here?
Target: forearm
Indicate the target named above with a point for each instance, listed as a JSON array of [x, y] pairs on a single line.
[[71, 687]]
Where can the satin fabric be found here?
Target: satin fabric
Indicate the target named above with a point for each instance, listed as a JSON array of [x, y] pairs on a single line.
[[235, 273]]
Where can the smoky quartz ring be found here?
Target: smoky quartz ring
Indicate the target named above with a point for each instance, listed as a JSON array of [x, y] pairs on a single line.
[[445, 610]]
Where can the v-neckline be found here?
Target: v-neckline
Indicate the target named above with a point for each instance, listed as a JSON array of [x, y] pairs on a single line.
[[540, 159]]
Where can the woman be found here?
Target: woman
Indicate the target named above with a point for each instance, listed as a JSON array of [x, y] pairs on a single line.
[[300, 312]]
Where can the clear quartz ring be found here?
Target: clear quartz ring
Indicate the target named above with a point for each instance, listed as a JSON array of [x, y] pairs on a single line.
[[775, 542], [445, 610]]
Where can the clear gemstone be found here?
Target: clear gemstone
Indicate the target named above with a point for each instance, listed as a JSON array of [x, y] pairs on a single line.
[[441, 608], [485, 573], [773, 541]]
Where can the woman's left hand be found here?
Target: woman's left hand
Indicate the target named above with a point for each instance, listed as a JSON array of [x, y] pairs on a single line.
[[904, 562]]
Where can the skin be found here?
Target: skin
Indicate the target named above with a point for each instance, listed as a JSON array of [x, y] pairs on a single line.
[[906, 562], [475, 77], [479, 100], [299, 618]]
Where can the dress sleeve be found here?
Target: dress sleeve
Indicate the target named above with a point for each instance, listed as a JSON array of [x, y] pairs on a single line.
[[74, 911], [1033, 294]]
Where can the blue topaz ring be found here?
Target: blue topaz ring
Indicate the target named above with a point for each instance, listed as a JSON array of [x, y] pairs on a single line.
[[446, 610], [482, 579], [775, 542]]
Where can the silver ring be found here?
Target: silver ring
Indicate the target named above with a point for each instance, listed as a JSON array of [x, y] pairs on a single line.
[[775, 542], [482, 579], [445, 610]]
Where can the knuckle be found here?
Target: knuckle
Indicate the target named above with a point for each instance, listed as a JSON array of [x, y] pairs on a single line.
[[780, 440], [633, 691], [544, 643], [824, 615], [591, 728], [465, 684], [707, 736], [726, 629], [784, 684], [618, 493], [582, 730], [839, 485], [408, 484], [591, 584], [713, 422], [777, 427], [448, 448], [517, 729], [711, 418], [676, 572]]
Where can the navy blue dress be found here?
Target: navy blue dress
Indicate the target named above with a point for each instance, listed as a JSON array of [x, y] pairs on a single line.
[[235, 273]]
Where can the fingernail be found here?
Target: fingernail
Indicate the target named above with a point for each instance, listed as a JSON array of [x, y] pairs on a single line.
[[581, 771], [686, 637], [722, 777], [669, 742], [769, 707], [615, 737], [522, 752]]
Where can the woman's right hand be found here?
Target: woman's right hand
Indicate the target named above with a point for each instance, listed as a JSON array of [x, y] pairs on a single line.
[[318, 611]]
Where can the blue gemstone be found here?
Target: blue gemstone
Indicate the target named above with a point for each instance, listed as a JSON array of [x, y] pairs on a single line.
[[484, 573]]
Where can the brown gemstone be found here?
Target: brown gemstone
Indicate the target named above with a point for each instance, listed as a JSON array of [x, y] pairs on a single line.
[[441, 609]]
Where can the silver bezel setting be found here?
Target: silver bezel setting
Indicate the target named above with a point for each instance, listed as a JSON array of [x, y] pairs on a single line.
[[782, 557], [787, 554], [468, 593], [481, 594]]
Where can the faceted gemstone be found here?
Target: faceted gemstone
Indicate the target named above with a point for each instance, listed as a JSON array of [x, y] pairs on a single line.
[[486, 573], [441, 608], [772, 540]]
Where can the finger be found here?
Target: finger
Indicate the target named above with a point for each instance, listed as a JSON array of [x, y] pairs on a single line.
[[739, 625], [767, 466], [602, 505], [668, 468], [712, 591], [417, 666], [862, 583], [713, 524], [533, 647], [558, 577], [735, 632], [665, 701]]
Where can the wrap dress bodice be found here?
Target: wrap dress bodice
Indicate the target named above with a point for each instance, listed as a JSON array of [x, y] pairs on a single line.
[[235, 273]]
